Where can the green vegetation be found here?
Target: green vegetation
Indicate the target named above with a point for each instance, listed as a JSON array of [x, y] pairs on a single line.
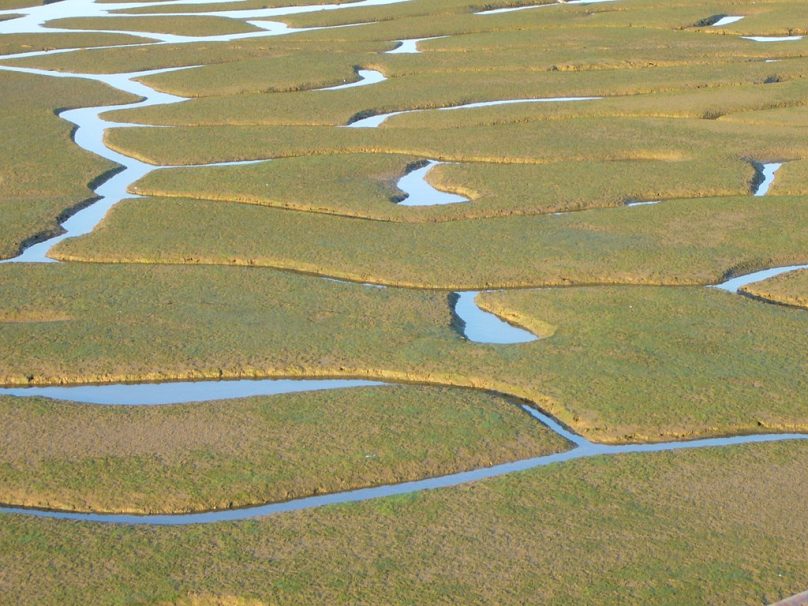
[[252, 451], [182, 26], [26, 43], [281, 72], [676, 242], [363, 185], [635, 355], [665, 92], [787, 289], [43, 174], [616, 363], [696, 527], [583, 139], [184, 284]]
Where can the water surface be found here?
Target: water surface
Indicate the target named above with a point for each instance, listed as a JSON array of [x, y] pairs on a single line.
[[728, 20], [420, 193], [181, 392], [773, 38], [480, 326], [366, 78]]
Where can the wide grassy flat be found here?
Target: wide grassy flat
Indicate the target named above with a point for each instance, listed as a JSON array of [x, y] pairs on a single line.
[[698, 527], [590, 139], [157, 6], [281, 73], [364, 185], [252, 451], [618, 363], [607, 338], [787, 289], [25, 43], [44, 175], [676, 242], [15, 4], [678, 92], [182, 26]]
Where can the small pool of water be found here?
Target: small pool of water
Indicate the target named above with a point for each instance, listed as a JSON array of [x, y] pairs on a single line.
[[767, 173], [480, 326], [642, 203], [773, 38], [181, 392], [728, 20], [421, 193]]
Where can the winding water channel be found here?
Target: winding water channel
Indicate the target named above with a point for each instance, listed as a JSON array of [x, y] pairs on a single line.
[[410, 46], [366, 78], [475, 324], [419, 192]]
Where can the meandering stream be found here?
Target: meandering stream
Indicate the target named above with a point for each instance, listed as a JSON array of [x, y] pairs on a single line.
[[419, 192]]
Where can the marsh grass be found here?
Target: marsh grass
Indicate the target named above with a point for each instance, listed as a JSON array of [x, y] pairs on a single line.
[[669, 529], [183, 26], [616, 363], [689, 91], [252, 451], [688, 110], [786, 289], [537, 142], [363, 185], [43, 174], [678, 242], [24, 43]]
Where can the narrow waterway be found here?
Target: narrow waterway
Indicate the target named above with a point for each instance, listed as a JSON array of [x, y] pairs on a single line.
[[418, 192], [366, 78], [410, 46], [480, 326]]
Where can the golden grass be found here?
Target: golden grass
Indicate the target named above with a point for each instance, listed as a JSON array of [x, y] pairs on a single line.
[[283, 72], [787, 289], [15, 4], [537, 142], [791, 177]]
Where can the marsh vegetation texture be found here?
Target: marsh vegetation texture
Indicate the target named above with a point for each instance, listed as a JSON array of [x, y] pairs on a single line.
[[403, 302]]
